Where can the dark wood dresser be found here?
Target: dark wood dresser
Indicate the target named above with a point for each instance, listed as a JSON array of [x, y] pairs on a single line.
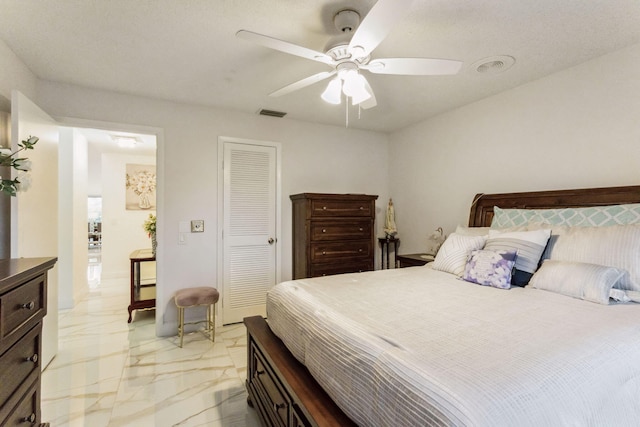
[[23, 304], [332, 234]]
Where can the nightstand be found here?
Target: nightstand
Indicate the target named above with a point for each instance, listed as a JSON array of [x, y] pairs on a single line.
[[412, 260]]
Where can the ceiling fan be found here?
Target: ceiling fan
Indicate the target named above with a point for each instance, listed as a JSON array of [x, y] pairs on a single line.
[[348, 57]]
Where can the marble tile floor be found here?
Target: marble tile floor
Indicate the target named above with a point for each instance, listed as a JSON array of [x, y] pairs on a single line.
[[111, 373]]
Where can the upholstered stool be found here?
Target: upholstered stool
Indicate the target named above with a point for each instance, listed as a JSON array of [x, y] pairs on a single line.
[[193, 297]]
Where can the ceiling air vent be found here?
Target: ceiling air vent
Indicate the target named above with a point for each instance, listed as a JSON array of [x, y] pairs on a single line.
[[271, 113]]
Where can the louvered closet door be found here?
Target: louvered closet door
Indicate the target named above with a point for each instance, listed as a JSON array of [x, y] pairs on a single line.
[[249, 235]]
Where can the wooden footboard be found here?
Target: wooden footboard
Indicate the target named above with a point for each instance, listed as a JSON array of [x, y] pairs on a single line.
[[280, 388]]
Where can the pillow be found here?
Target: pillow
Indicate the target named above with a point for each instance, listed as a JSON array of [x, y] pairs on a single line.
[[615, 246], [590, 282], [529, 246], [453, 254], [596, 216], [472, 231], [490, 268]]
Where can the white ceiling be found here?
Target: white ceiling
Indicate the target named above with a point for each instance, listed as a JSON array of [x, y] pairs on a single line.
[[186, 51]]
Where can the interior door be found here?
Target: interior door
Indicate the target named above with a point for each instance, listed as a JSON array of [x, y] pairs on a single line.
[[249, 234], [34, 213]]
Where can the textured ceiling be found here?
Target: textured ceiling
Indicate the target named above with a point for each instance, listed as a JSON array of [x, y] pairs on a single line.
[[186, 51]]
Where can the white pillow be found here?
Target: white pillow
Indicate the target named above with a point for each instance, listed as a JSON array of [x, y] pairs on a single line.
[[453, 254], [529, 246], [589, 282], [615, 246], [472, 231]]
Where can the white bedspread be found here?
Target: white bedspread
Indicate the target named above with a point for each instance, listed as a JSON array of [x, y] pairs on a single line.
[[417, 347]]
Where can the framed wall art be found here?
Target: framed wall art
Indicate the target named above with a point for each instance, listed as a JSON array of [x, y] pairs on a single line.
[[140, 187]]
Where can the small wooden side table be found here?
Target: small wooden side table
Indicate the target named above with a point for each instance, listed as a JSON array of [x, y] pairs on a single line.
[[412, 260], [385, 242], [143, 286]]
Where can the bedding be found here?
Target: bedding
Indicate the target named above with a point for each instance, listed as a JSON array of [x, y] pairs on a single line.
[[418, 346]]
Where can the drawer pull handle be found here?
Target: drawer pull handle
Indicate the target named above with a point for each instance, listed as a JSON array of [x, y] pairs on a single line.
[[361, 228], [361, 208], [277, 406], [324, 230], [259, 373], [33, 358], [324, 253], [360, 250], [30, 419], [28, 306], [324, 208]]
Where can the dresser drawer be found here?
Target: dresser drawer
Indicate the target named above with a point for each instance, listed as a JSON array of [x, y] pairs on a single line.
[[20, 364], [22, 305], [343, 230], [336, 251], [341, 208], [317, 270], [275, 397], [27, 410]]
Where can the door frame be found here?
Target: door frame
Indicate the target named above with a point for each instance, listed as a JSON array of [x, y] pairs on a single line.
[[222, 140]]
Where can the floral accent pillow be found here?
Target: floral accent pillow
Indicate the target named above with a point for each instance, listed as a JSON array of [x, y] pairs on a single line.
[[490, 268]]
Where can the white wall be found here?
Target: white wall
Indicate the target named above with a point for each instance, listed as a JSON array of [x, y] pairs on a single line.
[[14, 75], [73, 252], [578, 128], [314, 158], [122, 230]]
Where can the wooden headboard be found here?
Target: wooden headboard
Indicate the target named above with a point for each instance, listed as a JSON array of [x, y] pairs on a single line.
[[482, 206]]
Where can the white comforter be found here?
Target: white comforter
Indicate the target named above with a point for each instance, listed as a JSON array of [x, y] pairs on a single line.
[[417, 347]]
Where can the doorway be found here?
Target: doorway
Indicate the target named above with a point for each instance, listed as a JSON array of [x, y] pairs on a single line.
[[249, 225]]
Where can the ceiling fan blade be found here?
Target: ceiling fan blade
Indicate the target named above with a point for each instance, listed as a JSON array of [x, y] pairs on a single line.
[[371, 102], [377, 24], [283, 46], [413, 66], [303, 83]]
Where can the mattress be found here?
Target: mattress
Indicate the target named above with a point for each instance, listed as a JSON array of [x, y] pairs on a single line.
[[415, 346]]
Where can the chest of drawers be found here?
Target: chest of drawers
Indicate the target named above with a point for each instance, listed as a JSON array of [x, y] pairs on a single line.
[[332, 233], [23, 304]]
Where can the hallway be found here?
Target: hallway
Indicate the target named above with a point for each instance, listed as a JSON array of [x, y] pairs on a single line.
[[110, 373]]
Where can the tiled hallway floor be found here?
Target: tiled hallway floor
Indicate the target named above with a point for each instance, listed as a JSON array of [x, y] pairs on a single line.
[[111, 373]]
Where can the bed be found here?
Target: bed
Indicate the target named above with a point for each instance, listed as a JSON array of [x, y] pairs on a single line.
[[433, 349]]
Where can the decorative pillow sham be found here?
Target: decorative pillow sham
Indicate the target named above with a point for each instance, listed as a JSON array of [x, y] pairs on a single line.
[[490, 268], [615, 246], [596, 216], [472, 231], [590, 282], [453, 254], [529, 246]]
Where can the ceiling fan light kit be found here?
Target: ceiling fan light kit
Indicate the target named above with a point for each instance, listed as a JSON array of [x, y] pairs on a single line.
[[349, 57]]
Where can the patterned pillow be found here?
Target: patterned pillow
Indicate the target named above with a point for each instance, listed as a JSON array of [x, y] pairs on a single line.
[[490, 268], [453, 254], [590, 282], [596, 216], [529, 246]]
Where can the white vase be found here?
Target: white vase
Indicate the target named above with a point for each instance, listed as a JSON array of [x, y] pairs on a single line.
[[144, 202]]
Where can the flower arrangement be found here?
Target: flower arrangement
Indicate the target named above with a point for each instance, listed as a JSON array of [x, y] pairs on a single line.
[[141, 182], [150, 225], [22, 164]]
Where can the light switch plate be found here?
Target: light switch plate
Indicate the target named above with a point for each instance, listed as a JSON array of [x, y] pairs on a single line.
[[197, 226]]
